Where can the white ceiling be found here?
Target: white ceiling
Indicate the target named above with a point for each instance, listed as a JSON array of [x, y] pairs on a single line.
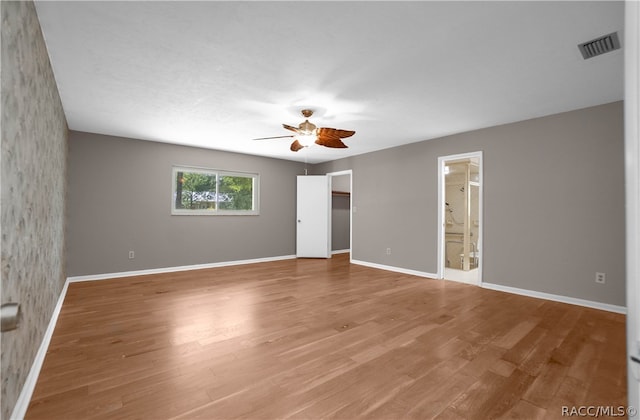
[[218, 74]]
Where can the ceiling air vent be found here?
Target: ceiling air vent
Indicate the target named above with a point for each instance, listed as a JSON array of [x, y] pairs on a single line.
[[598, 46]]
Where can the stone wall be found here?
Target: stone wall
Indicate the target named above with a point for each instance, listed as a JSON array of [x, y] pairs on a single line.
[[34, 161]]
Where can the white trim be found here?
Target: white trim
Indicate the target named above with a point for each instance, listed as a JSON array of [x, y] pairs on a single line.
[[442, 160], [508, 289], [338, 173], [395, 269], [556, 298], [340, 251], [632, 193], [174, 269], [22, 404]]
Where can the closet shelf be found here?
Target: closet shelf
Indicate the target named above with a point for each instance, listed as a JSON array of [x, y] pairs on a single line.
[[341, 193]]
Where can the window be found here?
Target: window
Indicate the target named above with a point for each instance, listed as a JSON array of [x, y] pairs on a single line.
[[200, 191]]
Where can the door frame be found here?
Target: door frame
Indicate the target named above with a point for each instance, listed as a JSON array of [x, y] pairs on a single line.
[[330, 176], [441, 209], [632, 195]]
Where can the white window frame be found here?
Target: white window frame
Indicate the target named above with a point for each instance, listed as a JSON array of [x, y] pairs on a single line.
[[217, 211]]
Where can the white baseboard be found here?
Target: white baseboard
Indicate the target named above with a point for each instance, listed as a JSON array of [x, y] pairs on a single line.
[[557, 298], [395, 269], [106, 276], [531, 293], [22, 404], [340, 251]]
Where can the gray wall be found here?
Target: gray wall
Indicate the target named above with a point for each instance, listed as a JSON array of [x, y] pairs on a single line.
[[34, 151], [120, 198], [553, 203]]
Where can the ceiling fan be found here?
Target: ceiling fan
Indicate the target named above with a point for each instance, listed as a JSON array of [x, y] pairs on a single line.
[[307, 133]]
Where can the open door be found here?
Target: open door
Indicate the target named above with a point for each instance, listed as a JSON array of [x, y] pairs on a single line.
[[313, 233]]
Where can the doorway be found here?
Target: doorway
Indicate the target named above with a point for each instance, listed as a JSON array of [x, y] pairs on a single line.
[[340, 184], [460, 217]]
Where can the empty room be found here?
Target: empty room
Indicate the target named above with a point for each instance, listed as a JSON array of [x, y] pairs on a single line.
[[320, 209]]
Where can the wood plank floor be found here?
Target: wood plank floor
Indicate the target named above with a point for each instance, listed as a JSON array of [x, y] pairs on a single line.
[[322, 338]]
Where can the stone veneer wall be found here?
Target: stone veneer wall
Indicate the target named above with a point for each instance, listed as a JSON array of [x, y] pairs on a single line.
[[33, 178]]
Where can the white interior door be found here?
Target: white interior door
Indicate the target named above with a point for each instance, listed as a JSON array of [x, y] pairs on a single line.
[[313, 233]]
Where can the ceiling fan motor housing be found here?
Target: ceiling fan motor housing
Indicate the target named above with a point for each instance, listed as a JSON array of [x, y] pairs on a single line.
[[307, 128]]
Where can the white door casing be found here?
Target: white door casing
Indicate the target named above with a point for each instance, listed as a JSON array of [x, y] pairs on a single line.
[[632, 197]]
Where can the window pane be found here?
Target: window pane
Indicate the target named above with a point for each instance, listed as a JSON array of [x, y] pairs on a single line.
[[236, 193], [201, 191], [195, 191]]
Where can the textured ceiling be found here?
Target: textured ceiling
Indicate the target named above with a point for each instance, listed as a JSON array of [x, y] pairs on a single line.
[[218, 74]]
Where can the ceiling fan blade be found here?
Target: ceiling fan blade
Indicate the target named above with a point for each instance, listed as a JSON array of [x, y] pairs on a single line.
[[330, 137], [333, 142], [295, 146], [276, 137], [335, 132], [288, 127]]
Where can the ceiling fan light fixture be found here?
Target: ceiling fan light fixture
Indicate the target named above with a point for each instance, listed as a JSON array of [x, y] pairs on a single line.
[[306, 139], [306, 132]]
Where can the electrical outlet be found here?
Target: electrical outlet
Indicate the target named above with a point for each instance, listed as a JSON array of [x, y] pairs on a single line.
[[388, 251], [132, 255], [600, 278]]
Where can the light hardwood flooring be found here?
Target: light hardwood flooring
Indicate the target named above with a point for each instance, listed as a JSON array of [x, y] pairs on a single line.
[[322, 338]]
